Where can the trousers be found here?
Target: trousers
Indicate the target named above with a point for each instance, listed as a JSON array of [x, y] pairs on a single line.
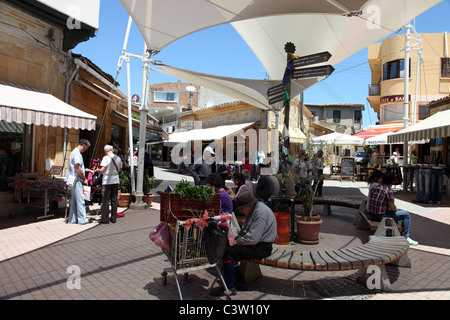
[[77, 212], [109, 194], [437, 177]]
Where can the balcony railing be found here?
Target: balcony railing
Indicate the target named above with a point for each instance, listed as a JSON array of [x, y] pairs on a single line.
[[374, 89]]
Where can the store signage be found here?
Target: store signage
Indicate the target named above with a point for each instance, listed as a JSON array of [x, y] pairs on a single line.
[[394, 99]]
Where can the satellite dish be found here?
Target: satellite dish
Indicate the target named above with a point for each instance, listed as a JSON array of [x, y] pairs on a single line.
[[191, 88]]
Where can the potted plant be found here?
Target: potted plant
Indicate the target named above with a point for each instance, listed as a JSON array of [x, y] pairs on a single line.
[[125, 197], [148, 185]]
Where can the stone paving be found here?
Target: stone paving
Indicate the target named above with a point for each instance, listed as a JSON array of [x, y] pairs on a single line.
[[119, 262]]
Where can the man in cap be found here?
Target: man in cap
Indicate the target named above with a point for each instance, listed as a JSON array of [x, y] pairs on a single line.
[[254, 241], [200, 169]]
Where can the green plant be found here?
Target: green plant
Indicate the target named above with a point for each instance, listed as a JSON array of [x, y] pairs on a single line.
[[184, 190], [125, 182], [148, 183], [368, 150]]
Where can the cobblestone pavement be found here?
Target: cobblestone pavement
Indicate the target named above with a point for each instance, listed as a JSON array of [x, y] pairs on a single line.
[[119, 262]]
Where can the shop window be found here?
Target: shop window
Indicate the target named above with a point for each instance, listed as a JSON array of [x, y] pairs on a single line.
[[357, 116], [395, 69], [165, 97], [424, 111], [445, 67]]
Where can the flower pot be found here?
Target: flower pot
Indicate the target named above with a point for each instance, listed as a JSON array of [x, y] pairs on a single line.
[[308, 231], [148, 198], [124, 200]]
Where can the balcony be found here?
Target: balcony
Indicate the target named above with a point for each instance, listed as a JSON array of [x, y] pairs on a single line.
[[374, 90]]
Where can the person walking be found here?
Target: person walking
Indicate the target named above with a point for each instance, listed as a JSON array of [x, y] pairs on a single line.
[[110, 167], [381, 205], [76, 178]]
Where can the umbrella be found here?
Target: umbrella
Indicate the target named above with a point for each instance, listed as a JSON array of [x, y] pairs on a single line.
[[337, 138]]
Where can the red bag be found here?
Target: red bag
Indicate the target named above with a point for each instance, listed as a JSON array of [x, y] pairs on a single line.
[[161, 235]]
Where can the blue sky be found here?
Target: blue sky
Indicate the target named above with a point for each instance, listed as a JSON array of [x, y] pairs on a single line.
[[220, 50]]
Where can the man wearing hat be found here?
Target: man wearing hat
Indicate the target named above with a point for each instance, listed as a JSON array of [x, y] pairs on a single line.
[[254, 240], [200, 170]]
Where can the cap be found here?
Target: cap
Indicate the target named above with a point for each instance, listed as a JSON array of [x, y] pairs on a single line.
[[210, 150]]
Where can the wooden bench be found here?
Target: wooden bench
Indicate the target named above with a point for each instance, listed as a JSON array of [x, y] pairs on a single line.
[[327, 202], [362, 220], [378, 251]]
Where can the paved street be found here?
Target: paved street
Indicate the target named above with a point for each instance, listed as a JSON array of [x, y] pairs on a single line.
[[38, 260]]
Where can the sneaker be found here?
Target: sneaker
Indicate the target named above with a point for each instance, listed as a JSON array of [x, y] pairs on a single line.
[[220, 292], [412, 242]]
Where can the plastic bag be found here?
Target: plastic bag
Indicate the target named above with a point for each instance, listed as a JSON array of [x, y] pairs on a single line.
[[87, 193], [161, 235], [216, 238]]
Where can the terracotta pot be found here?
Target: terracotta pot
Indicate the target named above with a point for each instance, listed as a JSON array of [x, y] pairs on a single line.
[[124, 200], [308, 231], [283, 230], [148, 198]]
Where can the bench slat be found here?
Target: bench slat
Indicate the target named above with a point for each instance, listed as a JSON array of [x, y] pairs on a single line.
[[272, 259], [307, 261], [375, 259], [389, 251], [364, 260], [296, 261], [356, 264], [343, 263], [283, 261], [375, 253], [319, 263], [331, 263]]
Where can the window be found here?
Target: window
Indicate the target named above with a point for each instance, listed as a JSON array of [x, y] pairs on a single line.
[[424, 111], [336, 116], [395, 69], [357, 116], [445, 67], [165, 97]]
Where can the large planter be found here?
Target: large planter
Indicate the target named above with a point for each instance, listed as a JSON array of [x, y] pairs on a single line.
[[148, 198], [308, 231], [124, 199]]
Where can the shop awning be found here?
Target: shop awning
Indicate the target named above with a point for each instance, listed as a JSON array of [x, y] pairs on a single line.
[[31, 106], [338, 139], [295, 135], [208, 134], [152, 129], [377, 130], [436, 126]]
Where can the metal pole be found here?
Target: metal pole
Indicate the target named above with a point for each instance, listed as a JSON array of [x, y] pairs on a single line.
[[406, 97], [130, 128]]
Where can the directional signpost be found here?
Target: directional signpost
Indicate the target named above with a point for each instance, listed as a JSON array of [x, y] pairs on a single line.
[[311, 59], [276, 90], [312, 72]]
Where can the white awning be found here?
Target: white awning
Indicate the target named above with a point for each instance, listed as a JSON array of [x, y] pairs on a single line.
[[336, 138], [342, 27], [436, 126], [208, 134], [253, 92], [31, 106]]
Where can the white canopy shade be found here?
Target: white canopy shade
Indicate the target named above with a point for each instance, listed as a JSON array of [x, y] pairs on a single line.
[[31, 106], [267, 25], [336, 138], [436, 126], [251, 91]]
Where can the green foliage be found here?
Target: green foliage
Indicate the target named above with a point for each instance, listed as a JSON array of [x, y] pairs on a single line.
[[125, 182], [184, 190], [368, 150], [148, 183]]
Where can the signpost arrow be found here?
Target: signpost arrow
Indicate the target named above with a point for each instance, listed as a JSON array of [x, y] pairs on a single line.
[[311, 59], [275, 90], [277, 99], [312, 72]]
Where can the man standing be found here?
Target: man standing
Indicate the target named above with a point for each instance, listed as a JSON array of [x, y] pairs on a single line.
[[110, 168], [200, 169], [381, 205], [254, 241], [75, 179]]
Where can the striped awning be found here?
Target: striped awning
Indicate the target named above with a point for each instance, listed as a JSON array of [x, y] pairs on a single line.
[[435, 126], [32, 106]]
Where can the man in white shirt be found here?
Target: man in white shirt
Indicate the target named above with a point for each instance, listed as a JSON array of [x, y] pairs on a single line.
[[75, 179], [110, 167]]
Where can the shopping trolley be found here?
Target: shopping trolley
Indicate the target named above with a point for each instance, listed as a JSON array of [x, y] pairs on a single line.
[[187, 252]]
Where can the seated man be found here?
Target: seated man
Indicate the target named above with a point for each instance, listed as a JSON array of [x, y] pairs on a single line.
[[254, 240], [381, 205]]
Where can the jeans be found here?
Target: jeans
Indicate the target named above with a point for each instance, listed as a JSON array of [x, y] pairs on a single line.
[[109, 193], [77, 212], [408, 175], [400, 215], [419, 188], [437, 176]]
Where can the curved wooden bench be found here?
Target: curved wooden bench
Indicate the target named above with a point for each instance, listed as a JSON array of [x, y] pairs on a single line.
[[327, 202]]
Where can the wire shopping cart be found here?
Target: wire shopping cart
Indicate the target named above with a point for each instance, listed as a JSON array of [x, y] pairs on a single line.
[[187, 252]]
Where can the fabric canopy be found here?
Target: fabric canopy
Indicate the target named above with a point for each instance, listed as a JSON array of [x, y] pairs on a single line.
[[31, 106], [341, 27], [377, 130], [383, 139], [253, 92], [207, 134], [435, 126], [336, 138]]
